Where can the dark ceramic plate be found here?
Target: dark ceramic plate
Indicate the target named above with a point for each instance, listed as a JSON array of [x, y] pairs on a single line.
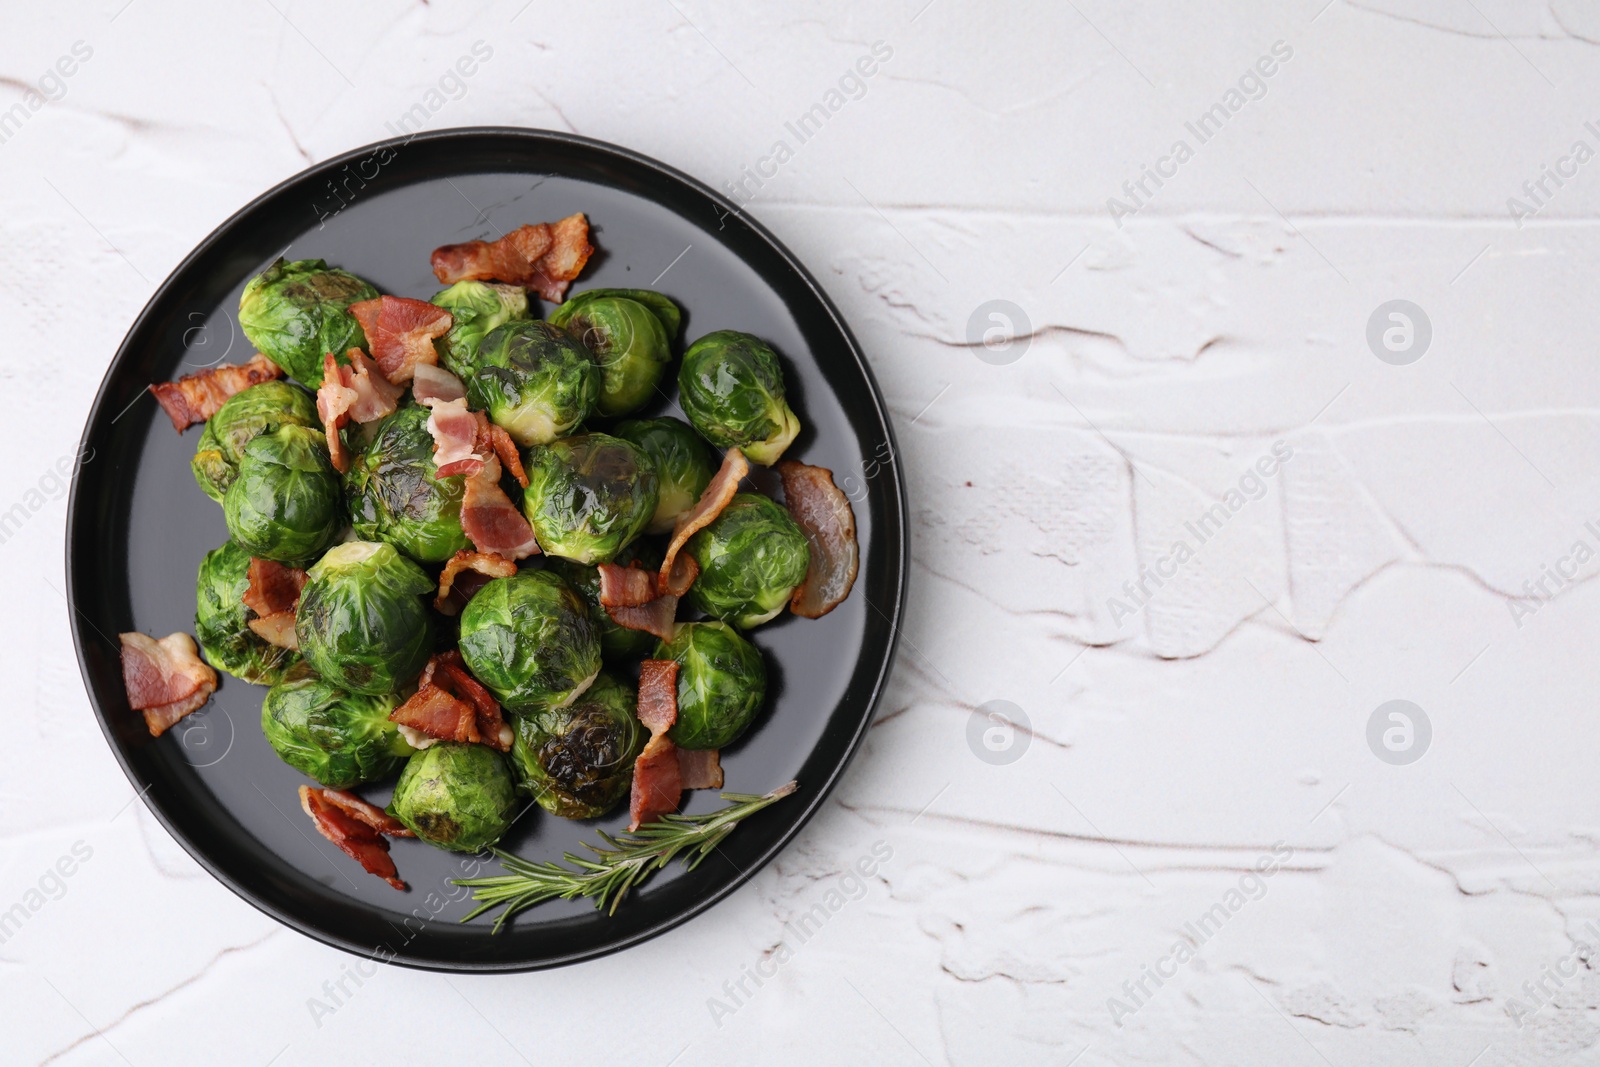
[[138, 526]]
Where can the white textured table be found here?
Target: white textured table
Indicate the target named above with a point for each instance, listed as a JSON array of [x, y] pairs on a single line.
[[1197, 216]]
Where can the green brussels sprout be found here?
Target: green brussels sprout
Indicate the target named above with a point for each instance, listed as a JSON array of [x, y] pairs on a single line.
[[221, 622], [630, 332], [684, 464], [722, 681], [616, 642], [731, 388], [362, 624], [454, 795], [589, 495], [286, 503], [241, 419], [751, 558], [534, 379], [530, 640], [577, 760], [396, 494], [341, 739], [476, 308], [295, 312]]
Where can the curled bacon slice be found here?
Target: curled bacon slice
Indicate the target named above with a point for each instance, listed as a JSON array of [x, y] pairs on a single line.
[[489, 518], [164, 679], [485, 565], [717, 493], [274, 587], [823, 512], [455, 436], [658, 617], [343, 820], [700, 768], [356, 391], [658, 694], [276, 629], [433, 711], [400, 333], [657, 777], [504, 447], [430, 382], [626, 587], [543, 256], [448, 671], [196, 397], [370, 814]]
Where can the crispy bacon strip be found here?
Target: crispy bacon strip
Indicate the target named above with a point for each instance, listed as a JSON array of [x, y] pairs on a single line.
[[657, 778], [626, 587], [437, 713], [455, 437], [276, 629], [429, 382], [658, 617], [485, 564], [543, 256], [354, 835], [717, 493], [196, 397], [356, 391], [164, 679], [400, 333], [823, 512], [504, 447], [274, 587], [370, 814], [700, 768], [448, 671], [490, 520]]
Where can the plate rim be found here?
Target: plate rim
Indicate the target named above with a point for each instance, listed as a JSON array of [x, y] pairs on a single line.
[[896, 540]]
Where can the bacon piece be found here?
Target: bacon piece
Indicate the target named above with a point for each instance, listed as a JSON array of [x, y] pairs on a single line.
[[274, 587], [165, 679], [448, 671], [276, 629], [370, 814], [659, 617], [684, 571], [356, 391], [490, 520], [437, 713], [700, 768], [455, 437], [658, 694], [717, 493], [484, 564], [542, 256], [626, 587], [353, 834], [400, 333], [657, 783], [429, 382], [196, 397], [504, 447], [823, 512]]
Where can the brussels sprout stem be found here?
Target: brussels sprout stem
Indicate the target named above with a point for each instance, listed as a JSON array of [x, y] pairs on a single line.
[[630, 859]]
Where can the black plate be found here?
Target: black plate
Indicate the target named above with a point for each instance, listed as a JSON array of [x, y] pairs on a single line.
[[138, 526]]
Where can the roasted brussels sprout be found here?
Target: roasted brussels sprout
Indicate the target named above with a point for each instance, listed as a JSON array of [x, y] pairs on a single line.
[[455, 795], [630, 332], [722, 681], [477, 308], [341, 739], [589, 495], [222, 622], [534, 379], [285, 503], [530, 640], [731, 388], [396, 494], [577, 760], [241, 419], [362, 623], [616, 642], [295, 312], [751, 558], [684, 465]]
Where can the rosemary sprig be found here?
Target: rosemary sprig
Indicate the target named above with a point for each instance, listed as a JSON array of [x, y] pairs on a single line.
[[613, 870]]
